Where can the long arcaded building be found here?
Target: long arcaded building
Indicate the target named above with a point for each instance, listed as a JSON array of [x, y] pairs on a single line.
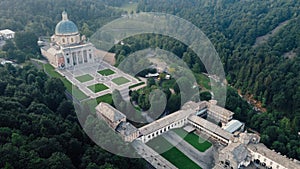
[[240, 148]]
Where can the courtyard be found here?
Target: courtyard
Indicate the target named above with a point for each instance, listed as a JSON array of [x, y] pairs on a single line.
[[84, 78], [98, 79], [173, 155], [120, 80], [106, 72], [193, 139], [98, 87]]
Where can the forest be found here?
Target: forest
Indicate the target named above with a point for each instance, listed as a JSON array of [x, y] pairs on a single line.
[[267, 71], [38, 124], [39, 127]]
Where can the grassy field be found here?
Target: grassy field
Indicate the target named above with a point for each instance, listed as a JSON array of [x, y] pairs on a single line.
[[79, 95], [194, 140], [120, 80], [97, 87], [84, 78], [92, 103], [105, 98], [202, 80], [106, 72], [176, 157]]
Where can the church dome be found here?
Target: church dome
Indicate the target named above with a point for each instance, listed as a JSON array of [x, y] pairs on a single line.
[[65, 26]]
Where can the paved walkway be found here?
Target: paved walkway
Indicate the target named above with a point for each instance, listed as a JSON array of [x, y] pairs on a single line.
[[92, 69], [151, 156], [203, 159]]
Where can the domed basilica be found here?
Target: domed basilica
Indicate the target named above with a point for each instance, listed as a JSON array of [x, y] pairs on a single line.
[[67, 48]]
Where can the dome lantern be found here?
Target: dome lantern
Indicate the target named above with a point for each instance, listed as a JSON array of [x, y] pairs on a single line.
[[65, 26], [64, 16]]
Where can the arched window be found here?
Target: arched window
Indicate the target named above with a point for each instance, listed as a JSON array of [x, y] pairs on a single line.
[[72, 40], [63, 40]]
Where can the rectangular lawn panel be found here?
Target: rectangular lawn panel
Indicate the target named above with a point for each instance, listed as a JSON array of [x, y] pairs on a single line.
[[97, 87], [194, 140], [120, 80], [106, 72], [173, 155], [84, 78]]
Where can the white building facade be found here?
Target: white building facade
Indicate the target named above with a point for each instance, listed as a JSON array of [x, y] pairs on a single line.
[[7, 34], [67, 48]]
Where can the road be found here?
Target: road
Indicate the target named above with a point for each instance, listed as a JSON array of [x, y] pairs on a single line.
[[151, 156]]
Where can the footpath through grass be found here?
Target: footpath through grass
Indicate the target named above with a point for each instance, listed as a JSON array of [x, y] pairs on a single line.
[[193, 139], [173, 155], [78, 94]]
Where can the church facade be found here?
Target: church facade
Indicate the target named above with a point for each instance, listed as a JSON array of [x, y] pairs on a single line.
[[67, 48]]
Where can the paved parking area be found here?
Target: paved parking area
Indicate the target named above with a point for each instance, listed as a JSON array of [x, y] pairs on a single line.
[[92, 69]]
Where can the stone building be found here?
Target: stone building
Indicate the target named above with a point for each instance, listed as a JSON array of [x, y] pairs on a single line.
[[234, 156], [7, 34], [110, 115], [67, 48], [117, 121]]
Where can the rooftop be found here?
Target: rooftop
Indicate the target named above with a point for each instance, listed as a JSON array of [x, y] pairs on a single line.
[[65, 26], [239, 151], [194, 106], [110, 112], [165, 121], [233, 126], [272, 155], [219, 110], [211, 127], [6, 31], [126, 128]]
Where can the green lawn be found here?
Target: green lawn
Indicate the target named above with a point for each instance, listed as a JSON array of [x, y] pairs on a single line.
[[106, 72], [97, 87], [136, 85], [120, 80], [92, 103], [84, 78], [193, 139], [202, 80], [78, 94], [105, 98], [176, 157]]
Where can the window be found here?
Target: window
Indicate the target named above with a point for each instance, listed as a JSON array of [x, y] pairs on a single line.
[[72, 40], [63, 40], [68, 60]]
